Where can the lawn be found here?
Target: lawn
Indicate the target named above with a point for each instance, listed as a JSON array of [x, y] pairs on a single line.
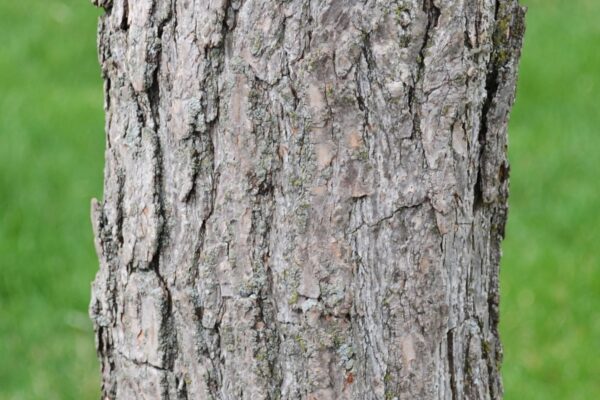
[[51, 145], [550, 320]]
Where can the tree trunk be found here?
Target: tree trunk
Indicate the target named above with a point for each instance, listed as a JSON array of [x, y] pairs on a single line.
[[303, 199]]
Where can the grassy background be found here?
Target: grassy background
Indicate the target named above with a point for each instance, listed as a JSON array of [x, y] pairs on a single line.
[[550, 320], [51, 141], [51, 148]]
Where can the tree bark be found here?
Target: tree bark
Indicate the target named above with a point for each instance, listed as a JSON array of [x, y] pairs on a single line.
[[304, 199]]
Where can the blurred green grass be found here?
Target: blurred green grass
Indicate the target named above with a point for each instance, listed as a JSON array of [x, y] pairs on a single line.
[[51, 148], [550, 310]]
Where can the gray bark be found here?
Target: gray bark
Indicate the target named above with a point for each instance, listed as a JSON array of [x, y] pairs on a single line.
[[303, 199]]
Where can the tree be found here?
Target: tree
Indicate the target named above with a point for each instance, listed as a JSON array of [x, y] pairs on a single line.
[[303, 199]]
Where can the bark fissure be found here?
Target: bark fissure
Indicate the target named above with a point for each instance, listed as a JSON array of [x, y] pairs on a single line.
[[450, 345]]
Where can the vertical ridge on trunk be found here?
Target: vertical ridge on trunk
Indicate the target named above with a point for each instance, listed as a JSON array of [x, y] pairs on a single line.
[[303, 199]]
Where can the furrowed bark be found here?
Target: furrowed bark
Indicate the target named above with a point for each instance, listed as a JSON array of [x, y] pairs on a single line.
[[303, 199]]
